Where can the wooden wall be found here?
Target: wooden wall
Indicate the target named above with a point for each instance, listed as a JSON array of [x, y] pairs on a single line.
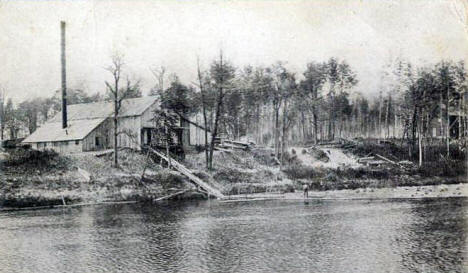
[[64, 147], [104, 134], [102, 137]]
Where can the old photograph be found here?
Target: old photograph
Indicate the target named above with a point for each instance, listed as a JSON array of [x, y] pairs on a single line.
[[234, 136]]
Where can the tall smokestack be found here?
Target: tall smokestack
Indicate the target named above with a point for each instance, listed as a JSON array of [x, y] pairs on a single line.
[[64, 76]]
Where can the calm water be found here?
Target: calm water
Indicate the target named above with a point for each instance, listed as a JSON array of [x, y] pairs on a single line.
[[268, 236]]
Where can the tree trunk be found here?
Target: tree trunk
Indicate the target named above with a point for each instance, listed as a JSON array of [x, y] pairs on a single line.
[[387, 113], [304, 129], [204, 114], [395, 123], [283, 136], [380, 115], [420, 145], [218, 112], [168, 155], [460, 118], [115, 133], [206, 137], [314, 116], [441, 116], [215, 129], [413, 130], [448, 124], [277, 129]]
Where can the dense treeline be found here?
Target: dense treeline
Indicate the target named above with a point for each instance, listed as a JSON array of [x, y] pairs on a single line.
[[274, 106]]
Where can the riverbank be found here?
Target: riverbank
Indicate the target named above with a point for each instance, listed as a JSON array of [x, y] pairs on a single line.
[[38, 179], [256, 171], [35, 179], [435, 191]]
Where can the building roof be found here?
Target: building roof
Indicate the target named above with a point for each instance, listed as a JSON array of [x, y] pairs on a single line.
[[130, 107], [53, 131], [84, 118]]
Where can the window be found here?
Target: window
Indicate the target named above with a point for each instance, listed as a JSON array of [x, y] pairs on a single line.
[[77, 142], [97, 141]]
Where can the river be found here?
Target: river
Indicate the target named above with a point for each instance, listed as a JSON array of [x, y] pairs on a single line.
[[266, 236]]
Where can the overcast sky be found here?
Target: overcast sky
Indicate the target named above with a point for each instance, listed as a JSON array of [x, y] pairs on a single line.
[[173, 33]]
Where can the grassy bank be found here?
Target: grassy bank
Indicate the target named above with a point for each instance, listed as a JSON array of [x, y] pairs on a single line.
[[34, 178]]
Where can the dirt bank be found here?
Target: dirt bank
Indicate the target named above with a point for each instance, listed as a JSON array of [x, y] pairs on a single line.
[[47, 179], [256, 171]]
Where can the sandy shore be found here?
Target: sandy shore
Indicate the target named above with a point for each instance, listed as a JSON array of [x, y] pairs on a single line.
[[454, 190]]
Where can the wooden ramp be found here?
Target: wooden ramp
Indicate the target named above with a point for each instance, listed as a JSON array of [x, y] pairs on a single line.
[[183, 170]]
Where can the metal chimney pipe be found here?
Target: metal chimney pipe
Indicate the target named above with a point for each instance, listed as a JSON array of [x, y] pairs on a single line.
[[64, 76]]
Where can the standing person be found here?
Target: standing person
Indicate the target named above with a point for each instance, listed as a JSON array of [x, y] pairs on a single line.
[[305, 187]]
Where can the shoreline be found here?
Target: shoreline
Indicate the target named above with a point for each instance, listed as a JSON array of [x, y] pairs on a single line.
[[396, 193], [404, 192], [83, 179]]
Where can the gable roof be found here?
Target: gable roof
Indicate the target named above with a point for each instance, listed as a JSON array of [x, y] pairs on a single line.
[[84, 118], [130, 107], [53, 131]]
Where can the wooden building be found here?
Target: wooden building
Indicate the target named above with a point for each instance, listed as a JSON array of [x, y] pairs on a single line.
[[90, 128]]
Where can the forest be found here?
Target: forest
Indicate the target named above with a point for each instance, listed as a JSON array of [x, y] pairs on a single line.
[[273, 106]]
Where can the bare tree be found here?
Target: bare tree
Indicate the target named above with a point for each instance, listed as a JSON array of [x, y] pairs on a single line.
[[221, 73], [2, 113], [203, 99], [159, 74], [117, 94]]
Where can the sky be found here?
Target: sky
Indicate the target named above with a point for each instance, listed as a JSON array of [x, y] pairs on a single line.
[[367, 34]]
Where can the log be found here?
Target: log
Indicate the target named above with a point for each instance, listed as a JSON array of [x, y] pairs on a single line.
[[196, 180], [170, 195], [375, 162], [222, 149], [386, 159], [390, 161], [366, 158], [104, 153]]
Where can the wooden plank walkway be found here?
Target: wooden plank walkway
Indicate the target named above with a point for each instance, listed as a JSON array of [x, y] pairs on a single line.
[[188, 173]]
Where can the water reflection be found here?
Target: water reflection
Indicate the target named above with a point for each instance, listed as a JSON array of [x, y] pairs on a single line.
[[270, 236], [436, 238]]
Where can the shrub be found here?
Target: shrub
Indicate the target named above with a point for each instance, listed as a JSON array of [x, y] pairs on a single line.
[[298, 171], [231, 175], [35, 159], [451, 169], [319, 154], [291, 158], [359, 173], [263, 156], [169, 179]]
